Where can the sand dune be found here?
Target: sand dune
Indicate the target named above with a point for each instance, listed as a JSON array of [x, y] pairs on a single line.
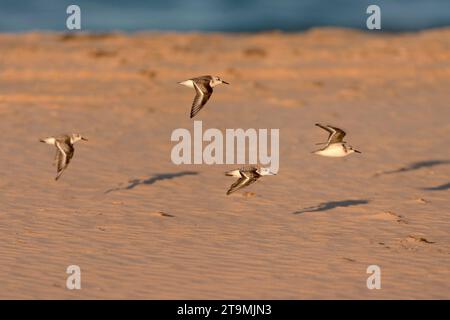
[[141, 227]]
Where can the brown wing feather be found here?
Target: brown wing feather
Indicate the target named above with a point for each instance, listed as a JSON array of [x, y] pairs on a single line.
[[64, 155], [241, 183], [338, 135], [334, 134], [203, 93], [330, 133]]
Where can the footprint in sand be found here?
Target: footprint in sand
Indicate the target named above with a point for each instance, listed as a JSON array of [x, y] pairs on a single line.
[[389, 216], [349, 259], [413, 242], [417, 238], [421, 200], [248, 194], [161, 214], [384, 245]]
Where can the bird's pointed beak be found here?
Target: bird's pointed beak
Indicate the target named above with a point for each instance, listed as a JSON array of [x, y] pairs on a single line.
[[357, 151], [225, 82], [83, 138]]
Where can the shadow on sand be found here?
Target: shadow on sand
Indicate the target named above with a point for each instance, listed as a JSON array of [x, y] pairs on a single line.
[[324, 206], [415, 166], [155, 178], [445, 186]]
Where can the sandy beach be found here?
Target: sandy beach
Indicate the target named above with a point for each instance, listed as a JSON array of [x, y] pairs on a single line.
[[141, 227]]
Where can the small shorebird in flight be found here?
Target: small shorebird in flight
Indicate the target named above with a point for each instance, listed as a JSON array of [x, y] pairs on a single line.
[[64, 150], [247, 176], [335, 146], [203, 90]]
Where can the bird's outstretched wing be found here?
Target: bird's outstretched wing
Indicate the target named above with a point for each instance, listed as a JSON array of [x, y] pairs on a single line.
[[55, 160], [64, 154], [241, 183], [335, 134], [203, 93]]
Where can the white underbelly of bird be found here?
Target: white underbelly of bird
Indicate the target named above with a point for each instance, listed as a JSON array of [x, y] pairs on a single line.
[[333, 150]]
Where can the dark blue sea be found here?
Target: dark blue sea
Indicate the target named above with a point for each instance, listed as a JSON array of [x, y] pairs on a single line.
[[221, 15]]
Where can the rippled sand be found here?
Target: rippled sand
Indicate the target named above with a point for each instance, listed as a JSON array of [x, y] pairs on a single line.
[[141, 227]]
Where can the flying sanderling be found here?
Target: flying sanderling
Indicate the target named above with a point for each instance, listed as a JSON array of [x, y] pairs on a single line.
[[204, 88], [247, 176], [335, 146], [64, 150]]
